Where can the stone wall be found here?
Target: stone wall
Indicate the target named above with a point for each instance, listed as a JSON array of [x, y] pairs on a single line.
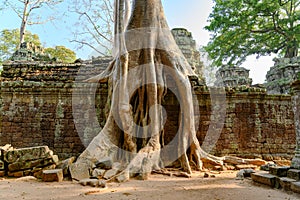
[[256, 125], [37, 110], [296, 104], [37, 105]]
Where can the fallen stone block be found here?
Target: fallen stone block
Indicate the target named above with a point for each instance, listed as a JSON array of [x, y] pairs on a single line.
[[52, 175], [294, 174], [38, 172], [65, 164], [279, 171], [244, 173], [295, 186], [27, 172], [98, 173], [2, 173], [264, 178], [110, 173], [80, 171], [267, 167], [15, 174], [123, 177], [27, 154], [2, 166], [93, 182], [23, 165], [285, 183]]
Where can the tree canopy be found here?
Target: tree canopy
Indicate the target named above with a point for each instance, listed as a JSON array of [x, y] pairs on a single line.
[[62, 53], [26, 11], [94, 25], [9, 42], [241, 28]]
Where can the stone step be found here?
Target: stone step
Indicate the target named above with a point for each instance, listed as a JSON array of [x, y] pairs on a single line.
[[294, 174], [264, 178], [285, 183], [295, 186], [279, 171]]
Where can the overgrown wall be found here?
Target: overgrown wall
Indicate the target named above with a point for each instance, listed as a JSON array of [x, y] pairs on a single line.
[[37, 110]]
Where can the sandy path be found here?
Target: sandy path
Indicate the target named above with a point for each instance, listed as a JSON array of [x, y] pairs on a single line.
[[223, 187]]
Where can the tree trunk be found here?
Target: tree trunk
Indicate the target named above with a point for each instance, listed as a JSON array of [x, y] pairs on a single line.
[[147, 56], [24, 22], [292, 49]]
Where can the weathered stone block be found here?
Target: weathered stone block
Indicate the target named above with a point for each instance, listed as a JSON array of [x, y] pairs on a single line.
[[279, 171], [93, 182], [80, 171], [52, 175], [2, 173], [15, 174], [2, 166], [295, 186], [294, 174], [23, 165], [65, 164], [98, 173], [110, 173], [267, 167], [264, 178], [25, 154], [285, 183]]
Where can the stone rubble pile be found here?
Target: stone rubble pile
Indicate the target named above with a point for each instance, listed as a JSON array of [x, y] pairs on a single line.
[[26, 161], [106, 170]]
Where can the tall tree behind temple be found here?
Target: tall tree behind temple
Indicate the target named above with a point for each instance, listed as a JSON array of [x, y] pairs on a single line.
[[94, 25], [9, 41], [27, 11], [253, 27]]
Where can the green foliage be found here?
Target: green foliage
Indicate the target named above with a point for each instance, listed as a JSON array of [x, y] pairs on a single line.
[[61, 53], [253, 27], [9, 42]]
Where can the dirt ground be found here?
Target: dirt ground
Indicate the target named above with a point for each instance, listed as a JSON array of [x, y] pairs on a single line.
[[222, 187]]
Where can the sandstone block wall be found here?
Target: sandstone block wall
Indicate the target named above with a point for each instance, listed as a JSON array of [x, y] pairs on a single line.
[[256, 125], [36, 109]]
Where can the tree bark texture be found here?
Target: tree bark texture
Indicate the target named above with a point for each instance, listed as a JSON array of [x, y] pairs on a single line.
[[147, 59]]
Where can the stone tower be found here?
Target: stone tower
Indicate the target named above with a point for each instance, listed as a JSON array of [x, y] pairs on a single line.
[[281, 75], [187, 45], [233, 77]]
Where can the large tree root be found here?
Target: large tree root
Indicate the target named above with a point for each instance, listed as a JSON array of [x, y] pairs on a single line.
[[133, 133]]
